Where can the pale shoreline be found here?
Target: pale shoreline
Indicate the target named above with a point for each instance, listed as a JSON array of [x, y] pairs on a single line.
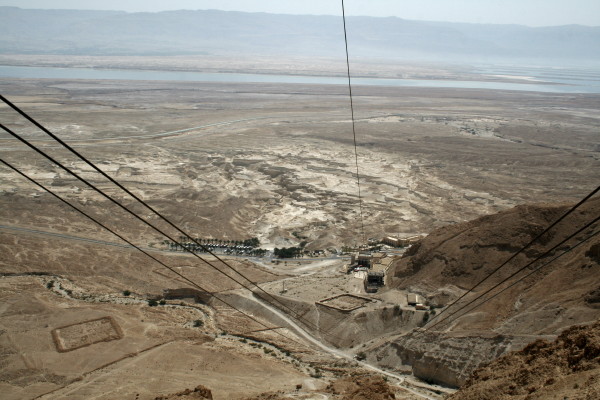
[[301, 67]]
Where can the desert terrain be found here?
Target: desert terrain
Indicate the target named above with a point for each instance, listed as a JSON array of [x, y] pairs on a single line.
[[276, 162], [567, 367], [268, 160]]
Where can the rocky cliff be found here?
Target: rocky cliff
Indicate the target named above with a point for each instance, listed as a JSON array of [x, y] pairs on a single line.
[[567, 368], [443, 359], [452, 259], [562, 294], [198, 393]]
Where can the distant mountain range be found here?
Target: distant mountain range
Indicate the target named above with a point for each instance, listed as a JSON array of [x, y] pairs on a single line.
[[25, 31]]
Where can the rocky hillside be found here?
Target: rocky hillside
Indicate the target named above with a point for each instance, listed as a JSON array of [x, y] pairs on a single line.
[[443, 358], [452, 259], [568, 368], [355, 387], [198, 393]]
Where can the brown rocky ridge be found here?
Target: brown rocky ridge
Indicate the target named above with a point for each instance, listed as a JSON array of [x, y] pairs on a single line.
[[452, 259], [567, 368], [198, 393], [356, 387]]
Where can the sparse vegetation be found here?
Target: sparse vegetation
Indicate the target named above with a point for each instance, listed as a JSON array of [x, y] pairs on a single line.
[[152, 303], [199, 245], [198, 323], [361, 356], [126, 293], [162, 302], [287, 252], [50, 285]]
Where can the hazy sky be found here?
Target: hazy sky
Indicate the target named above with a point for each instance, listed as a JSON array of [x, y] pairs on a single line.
[[524, 12]]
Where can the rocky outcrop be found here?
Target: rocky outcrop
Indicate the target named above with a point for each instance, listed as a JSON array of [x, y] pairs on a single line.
[[454, 258], [354, 387], [361, 388], [594, 252], [568, 368], [443, 359], [462, 254], [198, 393]]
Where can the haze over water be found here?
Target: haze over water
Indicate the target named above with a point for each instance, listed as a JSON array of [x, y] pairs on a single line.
[[534, 79]]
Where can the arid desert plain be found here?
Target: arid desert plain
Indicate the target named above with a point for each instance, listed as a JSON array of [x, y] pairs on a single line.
[[233, 161]]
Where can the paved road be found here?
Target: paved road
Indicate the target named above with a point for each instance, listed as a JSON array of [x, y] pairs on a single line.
[[172, 133], [84, 142], [65, 236]]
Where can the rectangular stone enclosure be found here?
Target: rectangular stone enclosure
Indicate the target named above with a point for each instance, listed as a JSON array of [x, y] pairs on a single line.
[[82, 334], [345, 302]]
